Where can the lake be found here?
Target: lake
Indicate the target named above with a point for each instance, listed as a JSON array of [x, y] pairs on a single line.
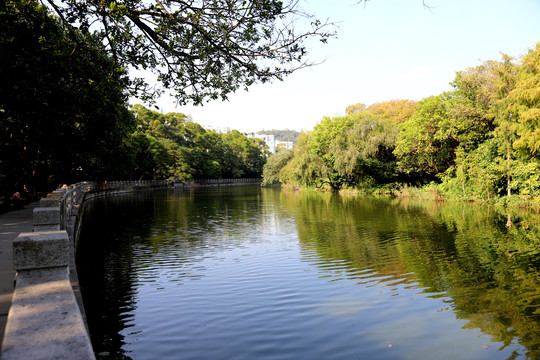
[[251, 273]]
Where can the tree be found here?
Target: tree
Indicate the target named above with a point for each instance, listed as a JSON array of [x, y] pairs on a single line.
[[275, 163], [525, 103], [323, 137], [169, 146], [63, 114], [462, 118], [396, 111], [251, 153], [306, 167], [358, 107], [504, 117], [363, 153], [427, 141], [201, 49], [476, 171]]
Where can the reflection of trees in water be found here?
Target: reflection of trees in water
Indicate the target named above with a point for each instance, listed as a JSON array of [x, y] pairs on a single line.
[[490, 271], [111, 226], [505, 302], [125, 236], [370, 234]]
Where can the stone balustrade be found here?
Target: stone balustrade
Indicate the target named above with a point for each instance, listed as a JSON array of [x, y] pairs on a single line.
[[45, 320]]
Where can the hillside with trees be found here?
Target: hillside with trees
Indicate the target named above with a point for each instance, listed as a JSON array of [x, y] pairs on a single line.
[[479, 141], [282, 135]]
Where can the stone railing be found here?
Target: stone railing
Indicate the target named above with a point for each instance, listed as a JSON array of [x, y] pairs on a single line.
[[45, 320], [46, 317]]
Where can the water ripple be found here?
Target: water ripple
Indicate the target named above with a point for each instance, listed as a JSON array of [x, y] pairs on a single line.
[[213, 276]]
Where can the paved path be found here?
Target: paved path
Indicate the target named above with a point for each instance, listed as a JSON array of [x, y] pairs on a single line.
[[11, 224]]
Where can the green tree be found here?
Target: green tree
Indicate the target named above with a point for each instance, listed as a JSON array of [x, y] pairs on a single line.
[[323, 137], [363, 154], [162, 145], [477, 171], [202, 50], [354, 151], [525, 103], [426, 143], [63, 114], [274, 165], [306, 167], [169, 146], [251, 153], [504, 117]]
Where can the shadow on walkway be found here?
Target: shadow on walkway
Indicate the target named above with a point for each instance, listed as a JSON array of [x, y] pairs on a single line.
[[11, 224]]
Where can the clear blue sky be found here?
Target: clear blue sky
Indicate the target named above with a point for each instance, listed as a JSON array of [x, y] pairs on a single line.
[[386, 49]]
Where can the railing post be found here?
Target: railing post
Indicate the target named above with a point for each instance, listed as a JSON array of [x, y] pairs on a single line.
[[44, 320]]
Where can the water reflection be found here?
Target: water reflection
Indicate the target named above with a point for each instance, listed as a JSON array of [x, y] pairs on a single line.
[[488, 272], [251, 273]]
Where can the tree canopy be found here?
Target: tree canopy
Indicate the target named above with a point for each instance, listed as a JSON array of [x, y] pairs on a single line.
[[65, 82], [479, 141], [352, 150], [200, 49], [166, 146], [63, 109]]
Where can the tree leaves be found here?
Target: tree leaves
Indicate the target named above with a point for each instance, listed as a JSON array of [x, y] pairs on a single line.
[[170, 146], [465, 140], [200, 49], [62, 103], [345, 151]]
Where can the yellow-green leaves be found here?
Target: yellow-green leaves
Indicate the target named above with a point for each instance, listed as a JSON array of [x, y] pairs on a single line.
[[525, 103]]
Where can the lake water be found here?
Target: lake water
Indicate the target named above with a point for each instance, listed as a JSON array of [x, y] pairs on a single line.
[[251, 273]]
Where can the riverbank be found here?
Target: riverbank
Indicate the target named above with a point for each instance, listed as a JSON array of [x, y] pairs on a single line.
[[429, 193]]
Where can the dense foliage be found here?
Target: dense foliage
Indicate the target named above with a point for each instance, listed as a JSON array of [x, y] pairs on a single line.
[[479, 141], [355, 150], [63, 109], [168, 146], [64, 87]]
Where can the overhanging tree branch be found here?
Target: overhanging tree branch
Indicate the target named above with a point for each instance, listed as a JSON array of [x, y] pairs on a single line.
[[201, 49]]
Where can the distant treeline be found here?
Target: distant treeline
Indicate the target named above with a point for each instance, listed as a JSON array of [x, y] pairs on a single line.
[[169, 146], [282, 135], [478, 141]]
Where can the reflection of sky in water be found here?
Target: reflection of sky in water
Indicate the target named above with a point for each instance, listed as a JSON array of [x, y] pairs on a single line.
[[248, 285]]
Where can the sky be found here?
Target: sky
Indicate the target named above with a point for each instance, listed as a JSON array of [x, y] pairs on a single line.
[[384, 50]]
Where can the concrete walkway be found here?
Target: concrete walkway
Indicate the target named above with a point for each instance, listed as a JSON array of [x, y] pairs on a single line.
[[11, 224]]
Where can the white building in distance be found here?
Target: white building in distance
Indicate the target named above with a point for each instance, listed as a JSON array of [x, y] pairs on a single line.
[[271, 142]]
